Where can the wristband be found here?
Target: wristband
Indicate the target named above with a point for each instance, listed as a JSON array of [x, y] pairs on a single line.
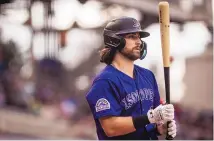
[[140, 121]]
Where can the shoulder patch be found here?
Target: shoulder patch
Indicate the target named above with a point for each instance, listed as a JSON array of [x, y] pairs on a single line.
[[102, 104]]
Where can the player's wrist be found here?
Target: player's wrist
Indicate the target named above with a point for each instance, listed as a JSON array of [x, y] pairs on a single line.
[[158, 131], [140, 121]]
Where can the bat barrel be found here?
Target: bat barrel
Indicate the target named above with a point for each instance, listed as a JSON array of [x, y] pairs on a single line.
[[164, 30]]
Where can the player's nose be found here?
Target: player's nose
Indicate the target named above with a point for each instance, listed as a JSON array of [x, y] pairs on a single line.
[[138, 42]]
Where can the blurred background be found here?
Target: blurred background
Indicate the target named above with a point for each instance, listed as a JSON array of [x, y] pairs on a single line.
[[49, 57]]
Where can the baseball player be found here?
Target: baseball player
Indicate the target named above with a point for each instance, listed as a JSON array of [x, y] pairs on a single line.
[[124, 98]]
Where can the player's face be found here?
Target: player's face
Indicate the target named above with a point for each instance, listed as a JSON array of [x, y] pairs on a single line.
[[132, 48]]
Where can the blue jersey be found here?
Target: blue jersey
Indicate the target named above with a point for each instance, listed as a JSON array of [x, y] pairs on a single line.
[[113, 93]]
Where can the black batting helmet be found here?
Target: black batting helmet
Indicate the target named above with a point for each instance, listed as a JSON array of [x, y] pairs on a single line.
[[120, 26]]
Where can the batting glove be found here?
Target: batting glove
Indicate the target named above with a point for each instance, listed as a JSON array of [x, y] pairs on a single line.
[[172, 130], [161, 114]]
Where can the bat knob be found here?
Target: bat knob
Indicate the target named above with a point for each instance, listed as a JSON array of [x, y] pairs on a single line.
[[169, 137]]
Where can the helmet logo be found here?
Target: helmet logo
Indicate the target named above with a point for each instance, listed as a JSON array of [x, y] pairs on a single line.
[[136, 23]]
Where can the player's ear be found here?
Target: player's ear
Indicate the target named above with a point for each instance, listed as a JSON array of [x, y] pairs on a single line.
[[143, 50]]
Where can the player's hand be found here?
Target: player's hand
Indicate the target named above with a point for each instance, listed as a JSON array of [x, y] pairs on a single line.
[[172, 130], [161, 114]]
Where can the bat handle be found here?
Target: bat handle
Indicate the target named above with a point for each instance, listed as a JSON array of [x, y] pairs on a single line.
[[168, 137], [167, 87]]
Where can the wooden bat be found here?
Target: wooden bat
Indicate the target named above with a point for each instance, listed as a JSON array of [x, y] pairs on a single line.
[[164, 20]]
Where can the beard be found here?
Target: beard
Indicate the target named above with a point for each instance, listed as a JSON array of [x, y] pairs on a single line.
[[131, 54]]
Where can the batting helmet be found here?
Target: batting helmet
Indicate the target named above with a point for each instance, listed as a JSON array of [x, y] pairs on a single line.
[[120, 26]]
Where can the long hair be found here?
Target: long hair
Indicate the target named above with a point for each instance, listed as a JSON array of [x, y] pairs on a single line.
[[107, 55]]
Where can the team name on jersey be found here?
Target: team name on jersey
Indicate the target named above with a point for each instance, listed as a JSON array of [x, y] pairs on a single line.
[[138, 95]]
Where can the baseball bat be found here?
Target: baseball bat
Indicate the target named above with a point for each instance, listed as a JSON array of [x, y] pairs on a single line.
[[164, 20]]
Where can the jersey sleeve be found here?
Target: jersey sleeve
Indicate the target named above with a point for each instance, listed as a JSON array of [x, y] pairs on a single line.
[[156, 93], [103, 99]]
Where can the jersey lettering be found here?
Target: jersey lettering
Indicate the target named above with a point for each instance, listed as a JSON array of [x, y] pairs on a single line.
[[134, 97]]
